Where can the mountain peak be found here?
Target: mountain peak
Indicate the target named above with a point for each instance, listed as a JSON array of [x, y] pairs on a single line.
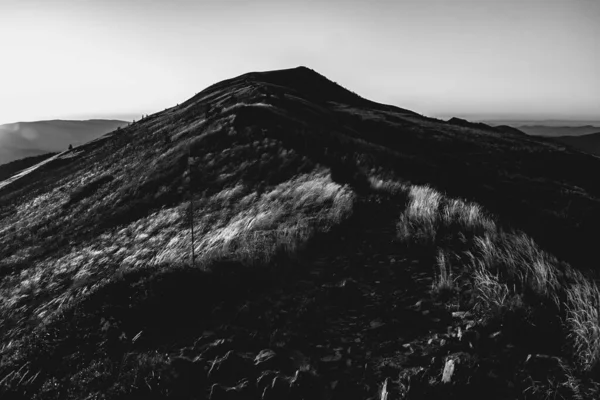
[[279, 211]]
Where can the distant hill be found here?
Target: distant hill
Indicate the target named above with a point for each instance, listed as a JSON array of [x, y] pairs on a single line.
[[25, 139], [587, 143], [546, 122], [553, 131], [481, 125]]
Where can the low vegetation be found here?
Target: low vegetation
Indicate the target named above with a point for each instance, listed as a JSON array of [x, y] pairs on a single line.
[[506, 274]]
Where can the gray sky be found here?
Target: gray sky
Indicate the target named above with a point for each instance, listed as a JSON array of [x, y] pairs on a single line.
[[471, 58]]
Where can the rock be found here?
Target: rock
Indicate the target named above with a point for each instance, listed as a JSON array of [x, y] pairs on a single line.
[[376, 324], [384, 390], [448, 371], [460, 314], [266, 359], [229, 369], [495, 334], [459, 333]]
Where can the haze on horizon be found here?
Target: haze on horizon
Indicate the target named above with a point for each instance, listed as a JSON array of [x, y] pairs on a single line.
[[119, 59]]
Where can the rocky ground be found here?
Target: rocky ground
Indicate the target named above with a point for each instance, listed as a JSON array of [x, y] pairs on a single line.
[[358, 322]]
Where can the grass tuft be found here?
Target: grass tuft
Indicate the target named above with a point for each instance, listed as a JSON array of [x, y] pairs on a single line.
[[443, 282]]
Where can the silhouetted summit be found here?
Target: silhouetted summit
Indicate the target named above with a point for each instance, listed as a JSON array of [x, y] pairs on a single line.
[[481, 125], [301, 81]]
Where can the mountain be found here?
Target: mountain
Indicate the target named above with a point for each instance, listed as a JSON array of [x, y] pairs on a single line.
[[546, 123], [553, 131], [589, 143], [26, 139], [278, 236], [481, 125]]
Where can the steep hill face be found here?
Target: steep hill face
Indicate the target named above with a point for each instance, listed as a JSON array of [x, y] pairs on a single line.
[[312, 261]]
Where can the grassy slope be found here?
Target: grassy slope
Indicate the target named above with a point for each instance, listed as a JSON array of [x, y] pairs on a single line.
[[95, 246]]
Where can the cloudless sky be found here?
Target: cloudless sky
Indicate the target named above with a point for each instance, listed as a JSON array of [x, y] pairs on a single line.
[[83, 59]]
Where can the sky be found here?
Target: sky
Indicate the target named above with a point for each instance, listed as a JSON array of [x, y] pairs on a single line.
[[83, 59]]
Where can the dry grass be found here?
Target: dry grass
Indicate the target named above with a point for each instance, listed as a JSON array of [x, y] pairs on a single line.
[[429, 215], [583, 322], [257, 228], [443, 281], [507, 270], [492, 296]]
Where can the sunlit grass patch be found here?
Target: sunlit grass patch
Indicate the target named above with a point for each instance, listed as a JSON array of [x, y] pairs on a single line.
[[505, 271], [430, 217], [583, 322], [282, 218]]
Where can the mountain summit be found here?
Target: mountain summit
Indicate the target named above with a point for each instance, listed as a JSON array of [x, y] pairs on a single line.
[[278, 236]]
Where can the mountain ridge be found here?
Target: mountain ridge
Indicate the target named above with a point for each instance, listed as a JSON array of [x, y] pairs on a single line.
[[340, 247]]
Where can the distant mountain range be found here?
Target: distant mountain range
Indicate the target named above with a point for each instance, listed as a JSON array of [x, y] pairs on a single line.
[[26, 139], [587, 143], [549, 128], [554, 131], [481, 125], [544, 122]]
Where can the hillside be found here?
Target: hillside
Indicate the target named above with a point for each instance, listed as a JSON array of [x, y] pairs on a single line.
[[9, 169], [589, 143], [334, 248], [27, 139]]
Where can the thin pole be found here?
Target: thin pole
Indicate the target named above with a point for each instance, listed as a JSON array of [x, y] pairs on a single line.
[[191, 205]]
